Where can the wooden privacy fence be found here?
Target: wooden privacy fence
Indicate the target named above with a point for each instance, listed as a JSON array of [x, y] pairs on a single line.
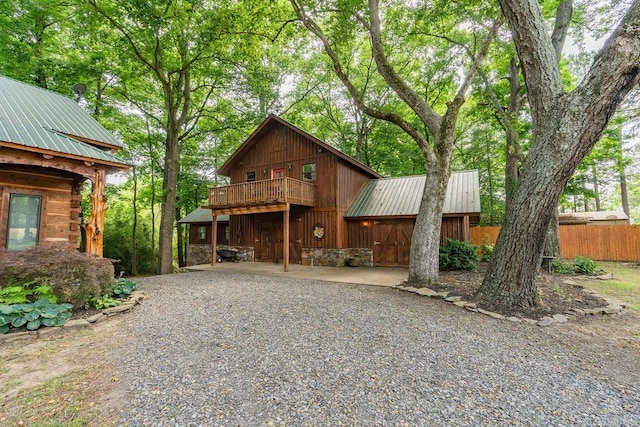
[[598, 242]]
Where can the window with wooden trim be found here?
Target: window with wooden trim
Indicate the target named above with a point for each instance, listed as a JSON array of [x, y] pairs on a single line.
[[309, 172], [251, 176], [202, 233], [23, 227]]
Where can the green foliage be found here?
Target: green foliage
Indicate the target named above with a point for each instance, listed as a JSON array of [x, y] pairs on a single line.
[[124, 287], [25, 292], [584, 265], [73, 277], [456, 256], [485, 249], [105, 301], [561, 267], [33, 315]]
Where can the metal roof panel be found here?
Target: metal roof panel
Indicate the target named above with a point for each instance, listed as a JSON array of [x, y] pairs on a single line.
[[39, 118], [402, 196]]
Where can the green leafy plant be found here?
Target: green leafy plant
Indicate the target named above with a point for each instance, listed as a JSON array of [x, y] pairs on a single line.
[[105, 301], [456, 255], [561, 267], [485, 249], [124, 287], [74, 277], [584, 265], [19, 293], [33, 315]]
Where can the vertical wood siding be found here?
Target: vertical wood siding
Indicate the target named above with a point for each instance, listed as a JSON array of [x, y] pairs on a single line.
[[598, 242]]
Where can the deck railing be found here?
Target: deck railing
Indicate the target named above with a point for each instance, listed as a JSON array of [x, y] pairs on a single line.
[[279, 190]]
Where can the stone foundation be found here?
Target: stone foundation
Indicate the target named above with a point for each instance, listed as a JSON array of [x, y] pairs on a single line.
[[201, 254], [337, 257]]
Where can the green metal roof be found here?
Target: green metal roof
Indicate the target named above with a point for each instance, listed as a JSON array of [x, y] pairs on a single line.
[[39, 118], [402, 196], [201, 215]]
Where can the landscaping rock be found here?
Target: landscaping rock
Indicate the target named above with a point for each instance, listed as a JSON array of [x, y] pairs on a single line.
[[76, 323], [460, 303], [95, 318], [546, 321], [608, 276], [119, 309], [426, 292], [47, 332], [471, 308], [453, 298], [514, 319], [560, 318], [612, 309], [18, 336], [491, 314]]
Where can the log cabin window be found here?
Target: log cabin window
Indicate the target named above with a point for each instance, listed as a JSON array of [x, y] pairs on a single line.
[[23, 227], [251, 176], [309, 172], [202, 233]]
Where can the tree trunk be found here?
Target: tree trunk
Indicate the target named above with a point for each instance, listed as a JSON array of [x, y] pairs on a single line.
[[180, 235], [596, 188], [134, 232], [623, 192], [170, 180], [566, 126], [425, 243], [518, 251], [552, 242]]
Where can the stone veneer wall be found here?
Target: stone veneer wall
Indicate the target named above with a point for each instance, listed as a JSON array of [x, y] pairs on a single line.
[[201, 254], [336, 257]]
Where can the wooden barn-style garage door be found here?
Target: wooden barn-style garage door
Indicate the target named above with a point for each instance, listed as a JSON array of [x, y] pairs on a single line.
[[392, 242]]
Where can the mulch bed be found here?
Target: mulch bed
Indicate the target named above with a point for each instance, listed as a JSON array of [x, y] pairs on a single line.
[[556, 296]]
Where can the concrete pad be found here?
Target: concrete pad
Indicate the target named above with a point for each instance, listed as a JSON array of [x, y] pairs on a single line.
[[374, 276]]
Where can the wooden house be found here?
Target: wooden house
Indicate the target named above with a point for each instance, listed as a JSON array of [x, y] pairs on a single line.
[[49, 146], [293, 198]]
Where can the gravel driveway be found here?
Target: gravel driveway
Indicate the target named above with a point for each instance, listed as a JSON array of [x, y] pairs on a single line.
[[210, 348]]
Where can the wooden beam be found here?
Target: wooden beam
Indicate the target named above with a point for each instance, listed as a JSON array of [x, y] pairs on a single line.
[[214, 237], [285, 238], [248, 210], [94, 228]]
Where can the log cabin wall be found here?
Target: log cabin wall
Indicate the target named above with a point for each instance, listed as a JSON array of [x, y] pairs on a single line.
[[221, 235], [60, 209]]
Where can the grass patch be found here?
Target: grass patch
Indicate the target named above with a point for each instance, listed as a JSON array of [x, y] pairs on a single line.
[[625, 285], [58, 402]]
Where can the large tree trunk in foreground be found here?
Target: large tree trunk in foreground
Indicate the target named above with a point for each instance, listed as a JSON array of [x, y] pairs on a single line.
[[170, 180], [425, 243], [565, 129]]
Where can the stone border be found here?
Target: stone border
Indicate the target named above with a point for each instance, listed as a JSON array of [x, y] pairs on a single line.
[[132, 300], [614, 307]]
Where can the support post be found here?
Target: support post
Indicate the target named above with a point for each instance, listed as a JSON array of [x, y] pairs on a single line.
[[94, 227], [285, 238], [214, 238]]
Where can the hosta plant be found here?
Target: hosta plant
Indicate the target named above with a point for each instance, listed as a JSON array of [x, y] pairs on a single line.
[[124, 287], [33, 315]]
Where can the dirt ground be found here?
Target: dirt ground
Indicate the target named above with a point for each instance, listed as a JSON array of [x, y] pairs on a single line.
[[67, 379]]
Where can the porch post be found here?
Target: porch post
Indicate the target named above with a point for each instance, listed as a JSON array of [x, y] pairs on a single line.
[[214, 237], [285, 238], [94, 227]]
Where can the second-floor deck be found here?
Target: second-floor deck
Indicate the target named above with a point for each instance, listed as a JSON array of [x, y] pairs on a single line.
[[266, 192]]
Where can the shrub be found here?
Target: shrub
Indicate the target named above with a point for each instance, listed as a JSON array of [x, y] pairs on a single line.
[[33, 315], [560, 267], [456, 255], [486, 249], [74, 277], [584, 265]]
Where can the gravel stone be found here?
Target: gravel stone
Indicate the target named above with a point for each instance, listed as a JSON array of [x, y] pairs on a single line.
[[210, 349]]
